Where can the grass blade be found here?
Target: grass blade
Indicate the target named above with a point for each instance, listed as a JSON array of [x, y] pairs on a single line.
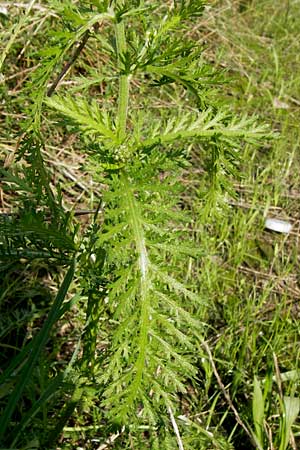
[[291, 407], [37, 347], [258, 411]]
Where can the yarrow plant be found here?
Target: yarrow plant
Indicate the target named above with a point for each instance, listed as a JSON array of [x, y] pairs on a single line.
[[137, 116]]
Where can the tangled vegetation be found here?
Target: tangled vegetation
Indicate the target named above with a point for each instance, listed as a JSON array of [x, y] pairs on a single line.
[[143, 304]]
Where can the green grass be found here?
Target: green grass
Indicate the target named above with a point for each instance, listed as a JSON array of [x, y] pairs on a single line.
[[255, 312], [246, 390]]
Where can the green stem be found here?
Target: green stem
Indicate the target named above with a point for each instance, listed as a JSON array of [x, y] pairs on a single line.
[[123, 106], [91, 332], [123, 83]]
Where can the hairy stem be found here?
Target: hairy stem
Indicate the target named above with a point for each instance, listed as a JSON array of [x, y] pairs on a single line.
[[123, 83]]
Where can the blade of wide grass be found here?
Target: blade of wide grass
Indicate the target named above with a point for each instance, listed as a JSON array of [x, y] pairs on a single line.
[[292, 408], [39, 343], [16, 364], [258, 411]]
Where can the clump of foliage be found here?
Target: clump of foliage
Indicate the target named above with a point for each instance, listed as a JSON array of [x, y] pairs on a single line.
[[136, 364]]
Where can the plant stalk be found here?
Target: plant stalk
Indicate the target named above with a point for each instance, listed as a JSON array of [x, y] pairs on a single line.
[[123, 83]]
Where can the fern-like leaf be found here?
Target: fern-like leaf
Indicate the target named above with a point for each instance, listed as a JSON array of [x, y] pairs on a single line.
[[85, 114], [151, 311]]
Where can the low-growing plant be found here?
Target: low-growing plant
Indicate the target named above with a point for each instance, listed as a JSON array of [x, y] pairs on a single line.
[[289, 406], [139, 353]]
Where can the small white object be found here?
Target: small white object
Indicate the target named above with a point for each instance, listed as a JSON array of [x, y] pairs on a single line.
[[278, 104], [281, 226], [183, 418], [93, 258], [3, 10]]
